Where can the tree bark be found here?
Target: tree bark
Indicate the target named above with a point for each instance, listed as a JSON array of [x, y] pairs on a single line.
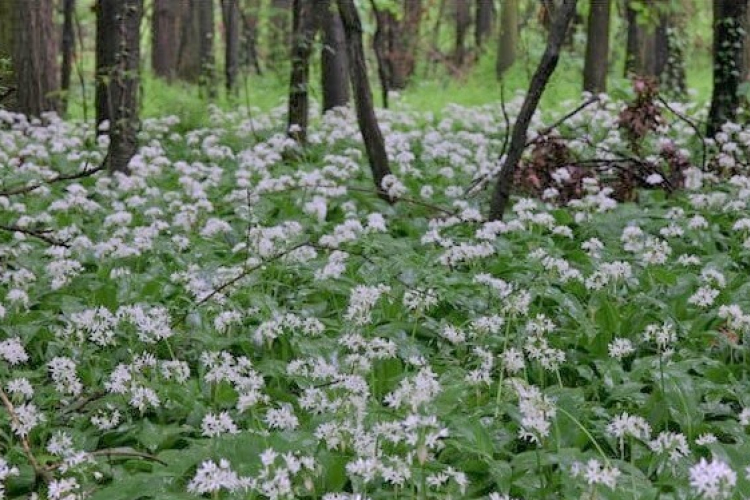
[[303, 35], [207, 57], [596, 63], [463, 22], [68, 44], [506, 53], [485, 21], [230, 10], [368, 123], [195, 60], [166, 31], [729, 16], [8, 84], [563, 17], [333, 59], [118, 28], [35, 57]]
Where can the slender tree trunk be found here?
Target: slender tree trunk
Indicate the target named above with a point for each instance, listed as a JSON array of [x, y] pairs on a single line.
[[333, 59], [249, 41], [563, 17], [506, 53], [279, 33], [405, 45], [68, 45], [35, 57], [463, 22], [368, 123], [118, 67], [646, 44], [208, 59], [672, 76], [166, 31], [729, 16], [8, 83], [230, 10], [381, 46], [485, 21], [597, 47], [303, 35]]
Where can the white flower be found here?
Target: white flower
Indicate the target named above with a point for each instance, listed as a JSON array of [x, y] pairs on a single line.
[[12, 351], [216, 425], [211, 477], [629, 425], [594, 472], [620, 348], [713, 480], [392, 186]]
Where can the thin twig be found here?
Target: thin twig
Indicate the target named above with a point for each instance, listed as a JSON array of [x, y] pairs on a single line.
[[86, 172], [691, 124], [127, 453], [245, 272], [39, 470], [38, 234], [564, 118]]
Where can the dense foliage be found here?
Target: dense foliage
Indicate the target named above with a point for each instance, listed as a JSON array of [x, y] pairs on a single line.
[[242, 319]]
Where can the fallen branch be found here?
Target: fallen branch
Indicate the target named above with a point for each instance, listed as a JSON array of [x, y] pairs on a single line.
[[86, 172], [38, 234], [692, 125]]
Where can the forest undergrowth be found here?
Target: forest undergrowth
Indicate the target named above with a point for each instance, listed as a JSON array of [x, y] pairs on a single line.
[[242, 319]]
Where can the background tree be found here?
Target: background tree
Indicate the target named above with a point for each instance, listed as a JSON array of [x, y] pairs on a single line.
[[118, 57], [230, 11], [334, 65], [462, 10], [506, 53], [166, 30], [8, 84], [195, 60], [303, 35], [596, 64], [34, 56], [368, 122], [729, 16], [67, 49], [279, 31], [249, 40], [484, 21]]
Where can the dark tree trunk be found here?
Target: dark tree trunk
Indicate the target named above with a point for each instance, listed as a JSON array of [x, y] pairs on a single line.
[[563, 17], [672, 76], [506, 53], [729, 16], [68, 44], [118, 66], [230, 10], [208, 62], [249, 40], [381, 45], [8, 84], [463, 22], [644, 56], [333, 59], [597, 47], [35, 57], [303, 35], [368, 123], [279, 33], [166, 31], [195, 60], [484, 22]]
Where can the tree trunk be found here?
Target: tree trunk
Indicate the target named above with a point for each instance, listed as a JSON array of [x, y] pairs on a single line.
[[8, 84], [644, 52], [208, 60], [395, 44], [381, 44], [118, 28], [230, 10], [249, 39], [166, 31], [303, 35], [279, 33], [333, 59], [597, 47], [563, 17], [729, 16], [672, 77], [368, 123], [463, 22], [506, 53], [68, 44], [35, 57], [485, 21]]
